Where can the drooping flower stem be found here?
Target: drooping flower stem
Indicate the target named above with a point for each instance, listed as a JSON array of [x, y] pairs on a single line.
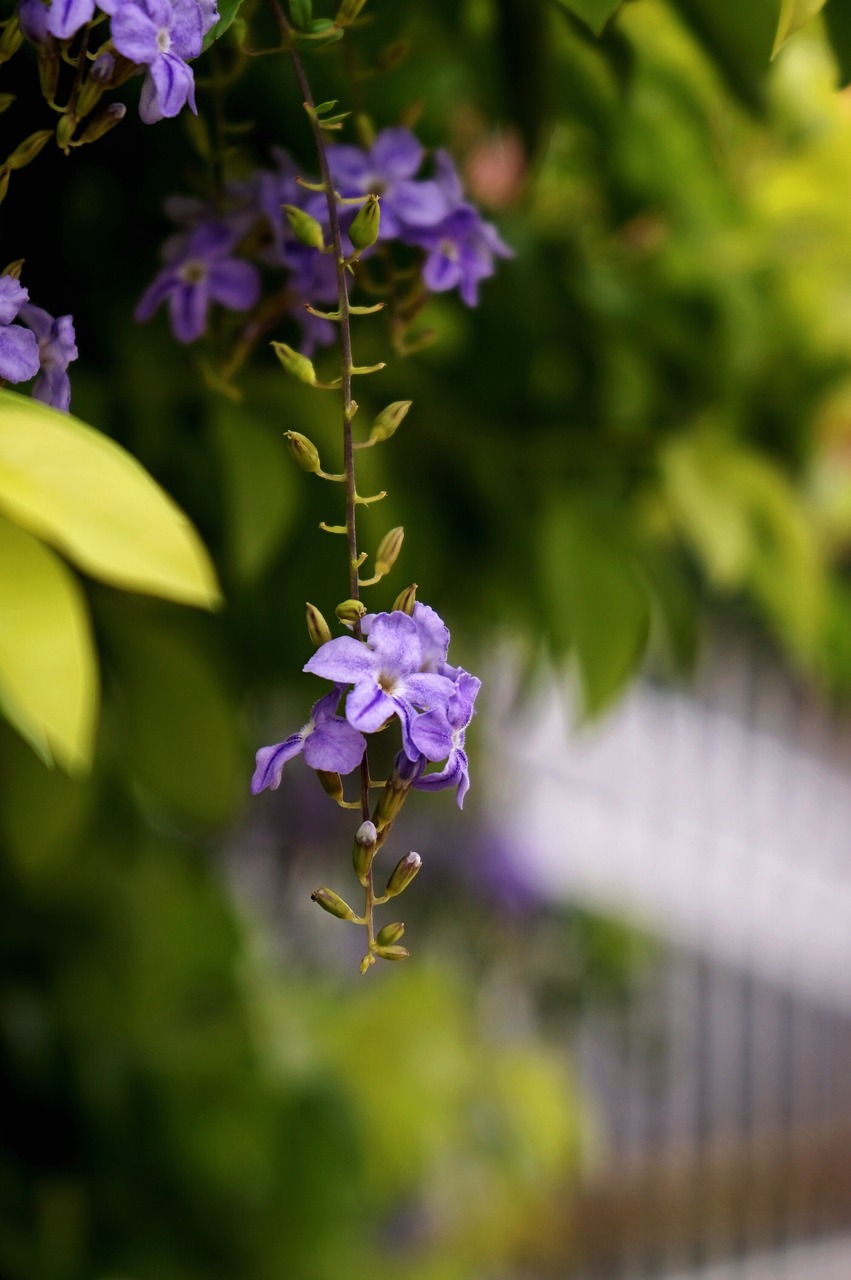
[[349, 408]]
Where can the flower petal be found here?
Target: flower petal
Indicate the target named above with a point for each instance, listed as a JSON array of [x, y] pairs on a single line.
[[334, 746], [18, 353], [397, 153], [395, 640], [270, 762], [368, 706], [234, 284], [343, 660]]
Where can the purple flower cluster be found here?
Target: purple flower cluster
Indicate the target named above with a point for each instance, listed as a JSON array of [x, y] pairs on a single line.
[[399, 672], [160, 37], [38, 347]]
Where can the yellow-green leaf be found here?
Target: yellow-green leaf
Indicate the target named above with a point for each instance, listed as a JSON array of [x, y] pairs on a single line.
[[86, 495], [48, 672]]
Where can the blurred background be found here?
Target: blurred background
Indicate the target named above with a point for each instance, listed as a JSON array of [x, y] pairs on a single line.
[[623, 1044]]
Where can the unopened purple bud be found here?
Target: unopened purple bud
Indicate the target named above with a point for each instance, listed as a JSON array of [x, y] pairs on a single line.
[[103, 67]]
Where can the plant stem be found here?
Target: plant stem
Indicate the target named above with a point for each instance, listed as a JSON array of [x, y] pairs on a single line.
[[349, 409]]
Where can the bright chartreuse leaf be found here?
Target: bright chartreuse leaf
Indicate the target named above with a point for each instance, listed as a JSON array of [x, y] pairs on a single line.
[[795, 14], [48, 671], [598, 602], [739, 36], [595, 13], [82, 492]]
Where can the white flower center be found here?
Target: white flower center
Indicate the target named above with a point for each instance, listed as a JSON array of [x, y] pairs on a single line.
[[449, 249], [163, 40]]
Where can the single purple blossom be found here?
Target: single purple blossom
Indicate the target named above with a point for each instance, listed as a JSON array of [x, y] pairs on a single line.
[[57, 347], [387, 170], [328, 742], [439, 735], [160, 35], [385, 672], [19, 356], [201, 271]]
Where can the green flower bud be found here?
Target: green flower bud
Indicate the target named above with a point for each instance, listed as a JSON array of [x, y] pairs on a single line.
[[305, 229], [331, 902], [65, 131], [28, 149], [350, 610], [389, 934], [347, 13], [402, 874], [332, 784], [13, 269], [90, 95], [5, 174], [48, 74], [363, 850], [406, 600], [108, 119], [389, 420], [304, 451], [317, 627], [296, 365], [363, 232], [6, 100], [388, 550], [392, 953], [11, 39]]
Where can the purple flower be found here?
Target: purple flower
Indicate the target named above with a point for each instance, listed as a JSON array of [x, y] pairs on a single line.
[[439, 735], [328, 743], [160, 35], [57, 347], [200, 271], [461, 248], [18, 346], [387, 170], [386, 675]]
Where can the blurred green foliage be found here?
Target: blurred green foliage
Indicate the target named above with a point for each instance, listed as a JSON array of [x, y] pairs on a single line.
[[646, 420]]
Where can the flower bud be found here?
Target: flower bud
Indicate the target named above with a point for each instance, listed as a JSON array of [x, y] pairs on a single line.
[[317, 627], [5, 174], [296, 365], [405, 601], [347, 13], [389, 934], [392, 953], [331, 902], [351, 611], [363, 849], [90, 95], [304, 451], [48, 72], [6, 100], [332, 784], [28, 149], [363, 232], [402, 874], [103, 67], [65, 127], [11, 39], [305, 229], [108, 119], [13, 269], [388, 550], [389, 420]]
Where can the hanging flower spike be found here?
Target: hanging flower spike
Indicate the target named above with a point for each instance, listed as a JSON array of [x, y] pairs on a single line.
[[440, 734], [386, 675], [328, 742]]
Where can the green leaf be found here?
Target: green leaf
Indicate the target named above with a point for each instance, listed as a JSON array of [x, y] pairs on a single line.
[[181, 732], [80, 491], [739, 36], [301, 12], [595, 13], [228, 9], [795, 14], [745, 521], [261, 492], [837, 20], [48, 671], [599, 603]]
